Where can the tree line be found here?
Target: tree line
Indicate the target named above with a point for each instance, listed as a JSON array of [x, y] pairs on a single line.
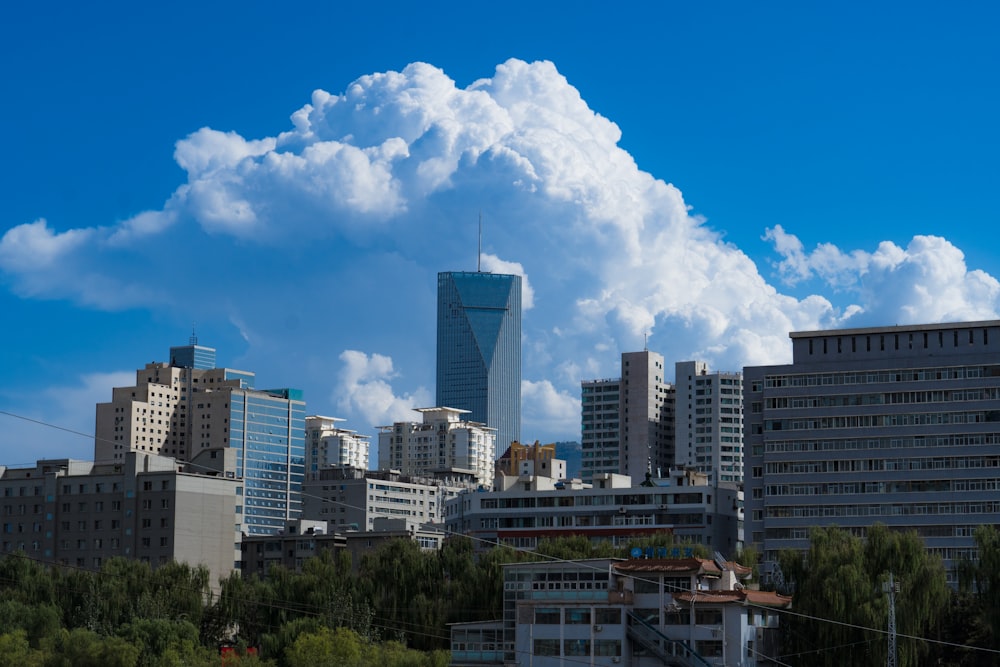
[[392, 609], [840, 601]]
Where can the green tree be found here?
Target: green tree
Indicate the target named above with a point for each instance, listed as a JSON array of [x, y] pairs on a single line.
[[163, 641], [980, 580], [16, 652], [838, 589], [83, 648], [326, 648]]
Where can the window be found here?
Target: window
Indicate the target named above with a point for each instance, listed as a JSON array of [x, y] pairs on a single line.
[[576, 647], [646, 586], [546, 647], [578, 617], [608, 616], [708, 617], [546, 616], [608, 647], [709, 649]]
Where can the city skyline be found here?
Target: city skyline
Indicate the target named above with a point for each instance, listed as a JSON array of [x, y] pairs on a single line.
[[701, 184]]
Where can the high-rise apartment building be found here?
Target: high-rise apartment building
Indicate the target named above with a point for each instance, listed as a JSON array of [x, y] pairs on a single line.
[[600, 427], [709, 422], [442, 442], [898, 425], [329, 446], [627, 423], [479, 349], [182, 409]]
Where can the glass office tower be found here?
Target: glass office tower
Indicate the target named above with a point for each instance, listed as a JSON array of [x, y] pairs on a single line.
[[479, 349], [268, 434], [188, 409]]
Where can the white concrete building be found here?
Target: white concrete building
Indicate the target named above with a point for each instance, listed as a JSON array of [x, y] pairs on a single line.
[[709, 421], [442, 441], [641, 612], [329, 446], [354, 499], [627, 423], [611, 508]]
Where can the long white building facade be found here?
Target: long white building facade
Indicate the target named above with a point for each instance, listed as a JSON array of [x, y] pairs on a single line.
[[611, 509], [898, 425]]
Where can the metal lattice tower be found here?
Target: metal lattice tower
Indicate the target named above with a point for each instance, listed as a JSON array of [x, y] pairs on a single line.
[[891, 588]]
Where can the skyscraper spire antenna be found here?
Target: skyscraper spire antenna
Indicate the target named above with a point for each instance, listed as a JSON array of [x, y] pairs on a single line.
[[479, 253]]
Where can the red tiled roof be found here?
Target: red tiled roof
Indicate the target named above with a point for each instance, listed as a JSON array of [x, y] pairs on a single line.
[[669, 565], [764, 598]]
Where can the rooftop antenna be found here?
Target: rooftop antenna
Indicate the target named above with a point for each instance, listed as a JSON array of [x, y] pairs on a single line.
[[193, 340], [645, 342], [479, 255]]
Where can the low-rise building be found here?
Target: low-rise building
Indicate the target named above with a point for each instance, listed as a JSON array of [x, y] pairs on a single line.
[[146, 507], [523, 510], [637, 612], [304, 539], [353, 499]]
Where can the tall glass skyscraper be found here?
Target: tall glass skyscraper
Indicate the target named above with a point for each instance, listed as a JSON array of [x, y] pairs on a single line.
[[479, 349]]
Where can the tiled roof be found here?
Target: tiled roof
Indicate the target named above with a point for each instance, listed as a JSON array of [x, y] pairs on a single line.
[[764, 598], [670, 566]]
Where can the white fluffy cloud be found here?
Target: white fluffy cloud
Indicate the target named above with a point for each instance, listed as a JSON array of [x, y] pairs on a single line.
[[545, 409], [927, 281], [364, 389], [494, 264], [35, 248], [335, 226]]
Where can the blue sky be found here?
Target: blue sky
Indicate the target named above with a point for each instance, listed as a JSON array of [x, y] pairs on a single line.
[[712, 175]]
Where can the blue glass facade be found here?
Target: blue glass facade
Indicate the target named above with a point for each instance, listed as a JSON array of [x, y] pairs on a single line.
[[479, 349], [192, 356], [268, 433]]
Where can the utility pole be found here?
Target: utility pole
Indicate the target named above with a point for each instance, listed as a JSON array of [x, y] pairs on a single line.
[[891, 588]]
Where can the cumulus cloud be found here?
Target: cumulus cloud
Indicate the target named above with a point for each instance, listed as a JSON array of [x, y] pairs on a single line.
[[364, 197], [494, 264], [927, 281], [35, 248], [147, 223], [364, 388], [42, 263], [545, 409]]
